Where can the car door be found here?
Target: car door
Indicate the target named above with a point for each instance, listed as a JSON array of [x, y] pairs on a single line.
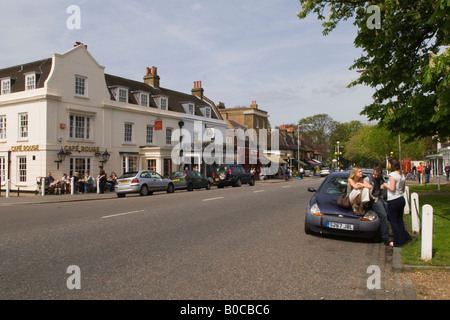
[[159, 183], [144, 178]]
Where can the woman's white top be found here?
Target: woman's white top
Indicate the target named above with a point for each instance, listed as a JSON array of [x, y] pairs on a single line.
[[399, 186]]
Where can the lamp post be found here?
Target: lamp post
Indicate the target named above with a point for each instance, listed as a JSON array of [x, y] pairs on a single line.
[[61, 156], [105, 157]]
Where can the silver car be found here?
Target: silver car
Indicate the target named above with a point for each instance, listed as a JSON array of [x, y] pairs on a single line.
[[144, 182]]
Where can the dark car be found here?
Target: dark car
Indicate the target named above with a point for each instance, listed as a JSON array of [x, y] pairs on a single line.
[[190, 180], [232, 175], [323, 215]]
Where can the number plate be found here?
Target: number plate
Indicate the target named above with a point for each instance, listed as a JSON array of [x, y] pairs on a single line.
[[124, 181], [338, 225], [217, 179], [176, 180]]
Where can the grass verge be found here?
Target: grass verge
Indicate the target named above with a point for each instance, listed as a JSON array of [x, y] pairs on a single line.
[[440, 201]]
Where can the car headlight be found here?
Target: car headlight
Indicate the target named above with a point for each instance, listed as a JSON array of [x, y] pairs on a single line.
[[315, 210], [369, 216]]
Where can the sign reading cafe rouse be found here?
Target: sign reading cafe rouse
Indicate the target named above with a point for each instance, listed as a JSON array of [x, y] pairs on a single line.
[[82, 148], [22, 148]]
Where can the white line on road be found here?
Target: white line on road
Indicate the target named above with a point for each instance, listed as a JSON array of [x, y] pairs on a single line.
[[258, 191], [211, 199], [121, 214], [286, 187]]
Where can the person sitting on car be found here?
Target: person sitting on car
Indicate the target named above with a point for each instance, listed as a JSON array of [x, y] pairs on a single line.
[[358, 191]]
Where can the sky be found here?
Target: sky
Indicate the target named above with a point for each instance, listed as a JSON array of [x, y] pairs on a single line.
[[241, 50]]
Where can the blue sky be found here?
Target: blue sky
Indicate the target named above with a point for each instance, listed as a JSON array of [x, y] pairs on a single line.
[[242, 51]]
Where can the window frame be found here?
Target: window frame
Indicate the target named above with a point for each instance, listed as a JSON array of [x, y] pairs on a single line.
[[3, 83], [81, 90], [129, 132], [23, 126], [74, 131], [27, 81]]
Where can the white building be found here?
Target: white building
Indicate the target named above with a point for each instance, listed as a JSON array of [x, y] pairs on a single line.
[[68, 103]]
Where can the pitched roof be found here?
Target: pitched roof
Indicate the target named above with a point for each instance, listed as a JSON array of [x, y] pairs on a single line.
[[17, 73], [175, 98]]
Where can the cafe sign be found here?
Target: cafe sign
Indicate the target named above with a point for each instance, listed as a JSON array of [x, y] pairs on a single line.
[[79, 148], [22, 148]]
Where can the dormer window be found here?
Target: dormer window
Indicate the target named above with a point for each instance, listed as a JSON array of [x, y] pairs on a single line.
[[122, 95], [191, 108], [144, 99], [163, 103], [30, 81], [6, 86], [206, 112]]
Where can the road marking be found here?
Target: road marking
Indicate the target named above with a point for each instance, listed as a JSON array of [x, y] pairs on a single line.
[[121, 214], [286, 187], [258, 191], [211, 199]]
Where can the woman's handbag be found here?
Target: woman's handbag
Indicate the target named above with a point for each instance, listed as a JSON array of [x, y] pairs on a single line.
[[344, 201]]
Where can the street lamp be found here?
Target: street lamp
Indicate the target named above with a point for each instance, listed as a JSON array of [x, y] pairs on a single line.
[[105, 157], [62, 156]]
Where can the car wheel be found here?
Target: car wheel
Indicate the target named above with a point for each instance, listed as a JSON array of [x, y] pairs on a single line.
[[144, 191], [170, 188], [238, 183], [208, 186], [121, 195], [190, 187], [251, 182]]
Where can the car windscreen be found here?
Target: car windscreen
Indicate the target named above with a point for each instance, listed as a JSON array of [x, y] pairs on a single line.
[[334, 186], [128, 175]]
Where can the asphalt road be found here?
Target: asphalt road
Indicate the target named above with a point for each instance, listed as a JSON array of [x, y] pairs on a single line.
[[233, 243]]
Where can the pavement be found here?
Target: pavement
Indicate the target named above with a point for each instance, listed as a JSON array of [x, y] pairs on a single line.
[[386, 258]]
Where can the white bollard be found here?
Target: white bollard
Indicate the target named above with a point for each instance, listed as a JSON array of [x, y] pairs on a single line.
[[406, 210], [72, 186], [98, 185], [415, 221], [43, 187], [8, 187], [427, 232]]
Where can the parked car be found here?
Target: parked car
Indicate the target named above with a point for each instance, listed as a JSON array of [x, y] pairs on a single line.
[[324, 171], [323, 215], [190, 180], [232, 175], [144, 182]]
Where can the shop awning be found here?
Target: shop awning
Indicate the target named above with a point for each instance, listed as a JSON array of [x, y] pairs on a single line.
[[434, 156], [274, 158]]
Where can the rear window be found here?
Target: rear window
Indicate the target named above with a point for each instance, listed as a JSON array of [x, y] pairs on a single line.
[[334, 185], [128, 175]]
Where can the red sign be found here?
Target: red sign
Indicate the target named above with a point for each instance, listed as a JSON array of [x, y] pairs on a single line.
[[158, 125]]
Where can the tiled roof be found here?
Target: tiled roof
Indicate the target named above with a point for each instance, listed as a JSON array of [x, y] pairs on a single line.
[[17, 73]]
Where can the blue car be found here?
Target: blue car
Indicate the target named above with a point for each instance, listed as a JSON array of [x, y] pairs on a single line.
[[323, 215]]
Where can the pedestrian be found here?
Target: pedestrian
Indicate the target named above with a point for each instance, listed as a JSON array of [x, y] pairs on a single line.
[[447, 171], [419, 172], [396, 203], [358, 191], [378, 202], [427, 173], [302, 171], [101, 179]]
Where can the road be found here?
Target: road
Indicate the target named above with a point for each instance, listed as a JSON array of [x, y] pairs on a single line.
[[233, 243]]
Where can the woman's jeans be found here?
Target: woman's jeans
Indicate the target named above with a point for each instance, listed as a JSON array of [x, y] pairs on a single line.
[[380, 208], [395, 214]]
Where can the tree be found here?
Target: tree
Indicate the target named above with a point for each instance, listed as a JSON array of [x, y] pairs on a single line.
[[406, 60], [318, 128]]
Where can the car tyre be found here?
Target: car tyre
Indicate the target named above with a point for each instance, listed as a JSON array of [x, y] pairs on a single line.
[[144, 191], [208, 186], [190, 187], [170, 188], [121, 195], [251, 182], [238, 183]]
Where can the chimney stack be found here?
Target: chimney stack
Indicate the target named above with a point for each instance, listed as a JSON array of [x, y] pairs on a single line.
[[151, 77], [78, 43], [291, 131], [197, 90], [254, 105]]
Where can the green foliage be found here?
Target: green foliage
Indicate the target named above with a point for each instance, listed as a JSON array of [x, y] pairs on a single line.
[[402, 60]]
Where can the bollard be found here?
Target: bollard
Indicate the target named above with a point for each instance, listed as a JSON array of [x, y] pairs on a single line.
[[98, 185], [415, 220], [72, 186], [43, 187], [406, 210], [427, 232], [8, 187]]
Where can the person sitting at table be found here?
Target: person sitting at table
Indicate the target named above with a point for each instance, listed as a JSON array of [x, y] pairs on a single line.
[[64, 183], [78, 182], [111, 181], [88, 182]]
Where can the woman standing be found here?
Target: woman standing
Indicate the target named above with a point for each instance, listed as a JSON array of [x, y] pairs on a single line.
[[396, 203]]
